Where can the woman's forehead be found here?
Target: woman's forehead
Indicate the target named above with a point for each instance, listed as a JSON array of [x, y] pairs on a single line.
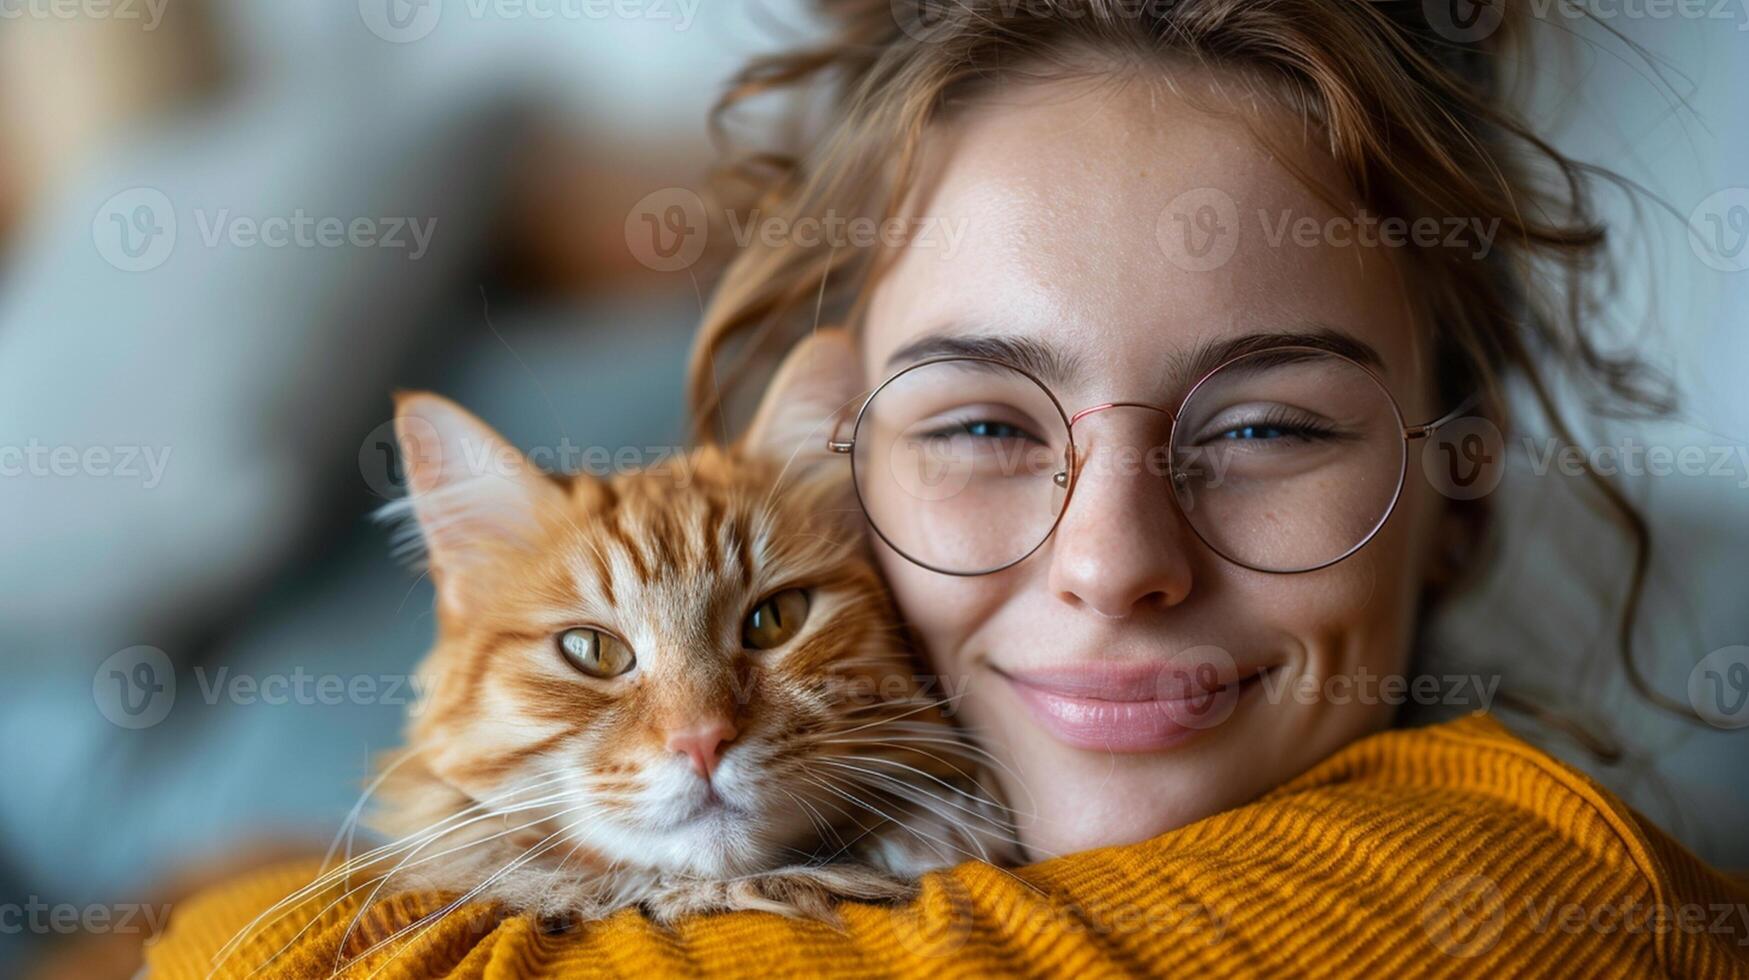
[[1126, 231]]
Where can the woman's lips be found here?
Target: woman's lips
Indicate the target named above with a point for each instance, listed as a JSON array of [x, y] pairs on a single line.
[[1131, 708]]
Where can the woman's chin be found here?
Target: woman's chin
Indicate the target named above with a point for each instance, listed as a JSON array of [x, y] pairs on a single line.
[[1073, 816], [1043, 841]]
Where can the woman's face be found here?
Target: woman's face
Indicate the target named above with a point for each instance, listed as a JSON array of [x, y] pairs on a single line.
[[1046, 206]]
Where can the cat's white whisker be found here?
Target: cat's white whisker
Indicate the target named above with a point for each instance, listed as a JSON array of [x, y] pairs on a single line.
[[822, 828], [907, 742], [967, 819], [933, 733], [947, 844], [883, 721], [546, 844], [894, 820], [352, 864], [330, 878], [911, 750], [349, 826], [983, 800], [481, 805], [403, 863], [376, 883]]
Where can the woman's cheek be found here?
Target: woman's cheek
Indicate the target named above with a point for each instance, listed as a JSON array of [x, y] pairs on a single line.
[[1347, 619], [942, 611]]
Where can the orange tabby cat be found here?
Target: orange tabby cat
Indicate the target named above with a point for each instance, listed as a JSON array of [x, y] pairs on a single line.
[[683, 689]]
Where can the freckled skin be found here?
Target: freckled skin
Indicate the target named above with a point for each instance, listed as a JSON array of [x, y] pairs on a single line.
[[1059, 187]]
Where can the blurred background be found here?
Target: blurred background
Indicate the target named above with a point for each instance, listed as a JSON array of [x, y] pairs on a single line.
[[230, 228]]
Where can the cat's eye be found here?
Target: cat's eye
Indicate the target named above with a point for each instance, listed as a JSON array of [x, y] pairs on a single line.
[[596, 653], [775, 620]]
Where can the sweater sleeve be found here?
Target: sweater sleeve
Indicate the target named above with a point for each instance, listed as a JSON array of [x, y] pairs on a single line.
[[1450, 850]]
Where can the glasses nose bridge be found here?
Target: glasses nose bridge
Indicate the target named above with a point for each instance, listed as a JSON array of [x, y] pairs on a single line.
[[1171, 417], [1107, 406], [1079, 454]]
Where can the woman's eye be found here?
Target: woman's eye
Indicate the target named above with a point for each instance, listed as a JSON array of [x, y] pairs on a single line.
[[1254, 432], [774, 621], [995, 430], [1277, 425], [979, 429], [596, 653]]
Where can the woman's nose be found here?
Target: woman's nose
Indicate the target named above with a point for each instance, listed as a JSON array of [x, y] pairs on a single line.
[[1122, 544]]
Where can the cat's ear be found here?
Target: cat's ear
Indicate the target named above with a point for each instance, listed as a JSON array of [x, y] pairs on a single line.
[[817, 384], [473, 496]]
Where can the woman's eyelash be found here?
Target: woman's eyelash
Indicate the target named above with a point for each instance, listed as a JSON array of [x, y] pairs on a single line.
[[1277, 423], [994, 430]]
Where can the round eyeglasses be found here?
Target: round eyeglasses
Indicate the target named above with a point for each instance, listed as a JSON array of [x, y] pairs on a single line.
[[1283, 460]]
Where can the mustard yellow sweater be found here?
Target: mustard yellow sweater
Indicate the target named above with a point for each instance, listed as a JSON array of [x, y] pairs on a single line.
[[1451, 850]]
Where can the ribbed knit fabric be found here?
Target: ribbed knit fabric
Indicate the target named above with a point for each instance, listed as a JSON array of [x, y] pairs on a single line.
[[1455, 849]]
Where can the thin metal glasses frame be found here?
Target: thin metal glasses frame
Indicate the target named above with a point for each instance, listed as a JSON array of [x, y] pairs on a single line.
[[1066, 477]]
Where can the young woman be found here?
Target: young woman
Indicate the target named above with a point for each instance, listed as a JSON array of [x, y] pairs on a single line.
[[1137, 412]]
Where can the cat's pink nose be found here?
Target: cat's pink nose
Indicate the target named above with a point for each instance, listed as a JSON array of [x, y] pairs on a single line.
[[702, 743]]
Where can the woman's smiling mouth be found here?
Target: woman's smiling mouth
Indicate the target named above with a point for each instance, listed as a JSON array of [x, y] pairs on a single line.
[[1116, 707]]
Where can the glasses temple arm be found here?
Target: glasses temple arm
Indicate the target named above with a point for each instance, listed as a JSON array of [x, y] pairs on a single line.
[[834, 444], [1422, 431]]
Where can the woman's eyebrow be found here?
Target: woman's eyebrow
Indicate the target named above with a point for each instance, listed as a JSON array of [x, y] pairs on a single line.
[[1045, 361], [1212, 354], [1058, 367]]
